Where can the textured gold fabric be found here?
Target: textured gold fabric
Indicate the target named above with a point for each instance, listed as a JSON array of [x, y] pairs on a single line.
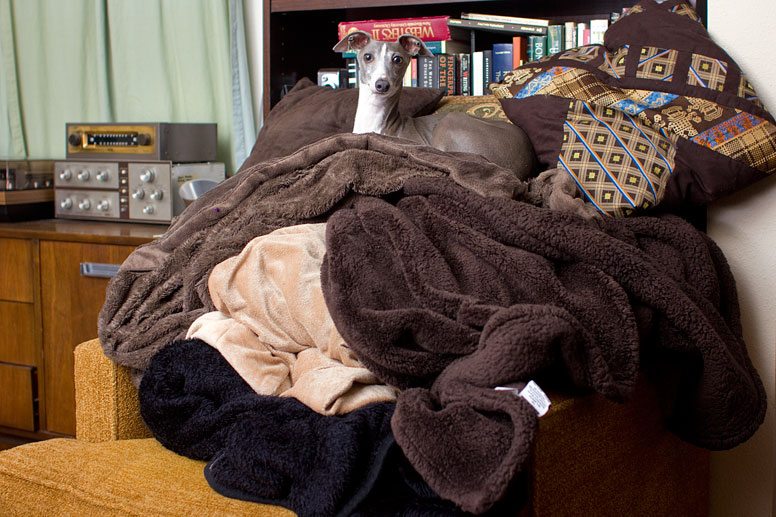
[[106, 399], [67, 477]]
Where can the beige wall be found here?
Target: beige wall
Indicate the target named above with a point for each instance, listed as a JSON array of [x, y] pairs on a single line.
[[744, 225]]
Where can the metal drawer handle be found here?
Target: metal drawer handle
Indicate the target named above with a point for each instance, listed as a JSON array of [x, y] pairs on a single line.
[[98, 270]]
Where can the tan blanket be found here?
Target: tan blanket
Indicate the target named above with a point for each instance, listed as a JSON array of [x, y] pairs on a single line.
[[273, 327]]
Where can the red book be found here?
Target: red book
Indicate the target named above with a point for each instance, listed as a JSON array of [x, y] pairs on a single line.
[[519, 51], [430, 28]]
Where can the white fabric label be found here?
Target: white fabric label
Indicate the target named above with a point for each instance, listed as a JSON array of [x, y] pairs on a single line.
[[533, 394]]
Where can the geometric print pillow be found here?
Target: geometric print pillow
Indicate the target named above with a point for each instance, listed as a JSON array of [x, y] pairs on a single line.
[[659, 114]]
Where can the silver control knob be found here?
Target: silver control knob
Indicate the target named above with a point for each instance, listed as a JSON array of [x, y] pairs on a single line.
[[85, 204], [156, 195], [66, 203], [103, 176], [65, 175], [83, 175], [138, 194], [148, 210], [103, 206], [148, 176]]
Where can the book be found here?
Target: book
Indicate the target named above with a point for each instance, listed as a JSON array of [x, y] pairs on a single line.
[[555, 39], [581, 28], [538, 46], [519, 51], [407, 79], [505, 19], [352, 66], [597, 29], [478, 72], [426, 72], [446, 81], [487, 71], [414, 72], [464, 85], [428, 28], [450, 46], [569, 35], [513, 28], [502, 60]]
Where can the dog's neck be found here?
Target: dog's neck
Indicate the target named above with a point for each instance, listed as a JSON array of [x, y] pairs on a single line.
[[376, 113]]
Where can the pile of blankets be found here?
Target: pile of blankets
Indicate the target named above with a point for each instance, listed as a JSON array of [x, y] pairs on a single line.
[[327, 329]]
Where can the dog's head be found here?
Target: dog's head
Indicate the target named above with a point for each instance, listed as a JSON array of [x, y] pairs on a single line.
[[381, 64]]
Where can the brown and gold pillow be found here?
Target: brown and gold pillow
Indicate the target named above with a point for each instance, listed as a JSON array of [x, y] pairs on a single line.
[[659, 114]]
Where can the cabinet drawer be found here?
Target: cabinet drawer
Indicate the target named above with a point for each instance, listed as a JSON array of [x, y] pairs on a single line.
[[17, 333], [19, 407], [16, 273]]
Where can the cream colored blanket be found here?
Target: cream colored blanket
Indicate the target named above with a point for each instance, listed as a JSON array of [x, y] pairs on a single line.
[[272, 324]]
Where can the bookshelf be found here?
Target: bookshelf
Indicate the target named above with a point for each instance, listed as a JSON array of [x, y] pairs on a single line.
[[299, 34]]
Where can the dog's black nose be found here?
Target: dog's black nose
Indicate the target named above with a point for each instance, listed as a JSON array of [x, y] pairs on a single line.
[[382, 85]]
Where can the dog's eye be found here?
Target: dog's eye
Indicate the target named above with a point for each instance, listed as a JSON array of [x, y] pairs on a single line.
[[367, 57], [397, 60]]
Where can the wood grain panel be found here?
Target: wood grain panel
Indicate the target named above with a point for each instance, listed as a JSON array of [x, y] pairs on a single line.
[[16, 279], [17, 333], [18, 396], [70, 306]]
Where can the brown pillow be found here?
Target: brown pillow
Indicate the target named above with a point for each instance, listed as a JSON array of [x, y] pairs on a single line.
[[309, 112], [659, 114]]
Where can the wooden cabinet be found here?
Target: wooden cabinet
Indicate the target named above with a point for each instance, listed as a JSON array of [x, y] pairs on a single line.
[[47, 307], [299, 34]]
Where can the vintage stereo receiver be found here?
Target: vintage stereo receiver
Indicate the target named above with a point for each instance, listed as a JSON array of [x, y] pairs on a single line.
[[176, 142], [137, 191]]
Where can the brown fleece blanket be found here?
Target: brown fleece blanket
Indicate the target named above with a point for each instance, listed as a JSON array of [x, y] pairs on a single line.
[[451, 295], [162, 287]]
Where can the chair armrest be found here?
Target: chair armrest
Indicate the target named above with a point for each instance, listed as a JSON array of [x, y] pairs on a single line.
[[105, 398]]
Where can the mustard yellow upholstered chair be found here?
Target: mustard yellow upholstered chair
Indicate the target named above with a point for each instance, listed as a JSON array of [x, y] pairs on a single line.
[[592, 457]]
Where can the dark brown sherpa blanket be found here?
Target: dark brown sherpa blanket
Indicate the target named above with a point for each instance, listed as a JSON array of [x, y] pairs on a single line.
[[450, 295], [162, 287]]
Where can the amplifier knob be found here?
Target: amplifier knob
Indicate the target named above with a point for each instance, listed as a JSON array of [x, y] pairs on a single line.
[[83, 175], [85, 204], [103, 206], [103, 176], [75, 139], [66, 203], [148, 210], [147, 176], [138, 194], [143, 139], [156, 195], [65, 175]]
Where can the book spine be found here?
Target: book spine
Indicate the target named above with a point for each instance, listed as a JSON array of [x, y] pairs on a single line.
[[487, 70], [581, 28], [431, 28], [426, 71], [414, 72], [514, 28], [478, 72], [505, 19], [464, 74], [538, 47], [502, 60], [555, 39], [569, 35], [597, 29], [352, 66], [447, 73], [519, 51]]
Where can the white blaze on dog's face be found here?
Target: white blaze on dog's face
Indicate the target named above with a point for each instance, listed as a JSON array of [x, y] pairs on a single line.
[[382, 64]]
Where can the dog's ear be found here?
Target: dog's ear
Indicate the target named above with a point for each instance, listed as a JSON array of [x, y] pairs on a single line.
[[356, 40], [413, 45]]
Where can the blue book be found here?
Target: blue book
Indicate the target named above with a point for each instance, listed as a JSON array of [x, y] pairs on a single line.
[[502, 60]]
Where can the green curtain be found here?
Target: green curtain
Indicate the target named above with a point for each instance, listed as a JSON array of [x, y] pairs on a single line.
[[121, 61]]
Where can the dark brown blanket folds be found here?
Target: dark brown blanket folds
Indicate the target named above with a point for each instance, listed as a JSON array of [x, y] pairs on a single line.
[[162, 287], [449, 295]]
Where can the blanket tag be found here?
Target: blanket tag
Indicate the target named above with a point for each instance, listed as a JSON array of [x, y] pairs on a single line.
[[533, 394]]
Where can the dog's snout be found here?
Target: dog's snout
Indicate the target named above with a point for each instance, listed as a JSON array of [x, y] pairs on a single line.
[[382, 86]]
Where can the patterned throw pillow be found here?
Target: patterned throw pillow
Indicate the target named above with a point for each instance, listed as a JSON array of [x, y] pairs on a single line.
[[659, 114]]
